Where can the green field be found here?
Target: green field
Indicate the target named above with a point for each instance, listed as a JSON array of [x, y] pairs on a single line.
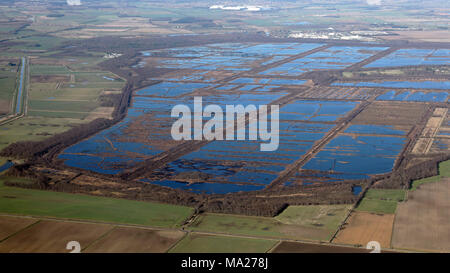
[[57, 104], [84, 207], [297, 222], [34, 129], [444, 171], [197, 243], [8, 78], [377, 206], [3, 160], [327, 217], [381, 201], [72, 94]]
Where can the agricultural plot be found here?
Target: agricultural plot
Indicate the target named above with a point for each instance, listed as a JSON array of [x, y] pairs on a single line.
[[294, 247], [407, 57], [52, 237], [381, 201], [421, 223], [135, 240], [8, 79], [58, 92], [297, 222], [12, 225], [20, 201], [363, 227], [33, 128], [198, 243]]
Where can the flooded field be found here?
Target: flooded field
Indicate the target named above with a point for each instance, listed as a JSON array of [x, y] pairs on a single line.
[[231, 57], [401, 84], [336, 57], [335, 132], [240, 165], [414, 96], [406, 57]]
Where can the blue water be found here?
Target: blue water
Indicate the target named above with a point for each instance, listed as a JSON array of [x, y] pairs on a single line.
[[374, 130], [360, 155], [228, 57], [320, 111], [6, 166], [171, 89], [399, 84], [242, 162], [268, 81], [414, 96], [408, 57], [356, 190], [226, 87], [336, 57], [98, 155]]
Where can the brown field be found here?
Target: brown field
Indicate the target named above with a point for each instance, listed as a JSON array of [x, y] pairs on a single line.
[[10, 225], [53, 236], [122, 239], [100, 112], [391, 113], [427, 36], [363, 227], [49, 79], [422, 222], [292, 247], [4, 107], [335, 92]]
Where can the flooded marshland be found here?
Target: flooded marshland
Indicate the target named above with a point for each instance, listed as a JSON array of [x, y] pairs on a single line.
[[327, 132]]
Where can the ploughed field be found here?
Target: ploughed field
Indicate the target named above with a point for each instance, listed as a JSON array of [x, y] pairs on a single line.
[[329, 131]]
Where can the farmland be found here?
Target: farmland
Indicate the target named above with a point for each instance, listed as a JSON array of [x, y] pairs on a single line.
[[44, 203], [307, 222], [363, 227], [381, 201], [421, 223], [197, 243]]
